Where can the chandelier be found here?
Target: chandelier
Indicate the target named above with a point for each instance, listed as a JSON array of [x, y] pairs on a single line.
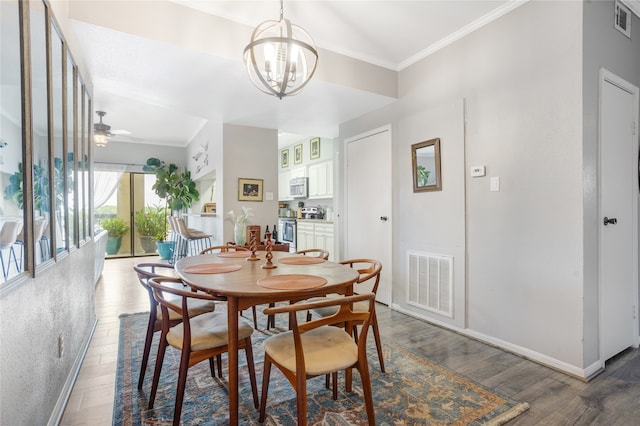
[[101, 131], [281, 57]]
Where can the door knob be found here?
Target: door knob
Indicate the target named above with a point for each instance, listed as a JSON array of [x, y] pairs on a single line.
[[383, 218], [611, 221]]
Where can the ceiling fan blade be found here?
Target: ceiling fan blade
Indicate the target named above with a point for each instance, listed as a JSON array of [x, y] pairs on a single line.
[[125, 138], [120, 132]]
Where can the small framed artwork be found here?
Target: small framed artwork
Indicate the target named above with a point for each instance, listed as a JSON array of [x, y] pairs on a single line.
[[209, 208], [250, 189], [284, 158], [297, 154], [314, 151]]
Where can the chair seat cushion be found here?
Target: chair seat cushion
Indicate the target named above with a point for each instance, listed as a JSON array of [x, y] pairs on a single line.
[[196, 307], [208, 331], [326, 349]]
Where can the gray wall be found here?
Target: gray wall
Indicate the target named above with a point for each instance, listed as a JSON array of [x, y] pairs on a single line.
[[519, 78], [59, 302], [252, 153], [604, 46], [137, 154]]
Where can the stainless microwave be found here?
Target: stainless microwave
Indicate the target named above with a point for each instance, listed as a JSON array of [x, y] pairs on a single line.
[[299, 187]]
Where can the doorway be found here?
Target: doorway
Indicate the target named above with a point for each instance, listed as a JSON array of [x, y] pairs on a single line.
[[368, 203], [120, 195], [618, 152]]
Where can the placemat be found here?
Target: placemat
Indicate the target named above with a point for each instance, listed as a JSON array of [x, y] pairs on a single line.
[[301, 260], [292, 282], [241, 253], [212, 268]]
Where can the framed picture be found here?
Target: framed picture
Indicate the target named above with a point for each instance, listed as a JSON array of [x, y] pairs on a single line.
[[314, 151], [297, 154], [209, 208], [284, 158], [250, 189]]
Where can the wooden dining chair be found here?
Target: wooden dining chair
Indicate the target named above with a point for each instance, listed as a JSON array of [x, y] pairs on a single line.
[[318, 348], [199, 338], [223, 249], [321, 253], [368, 269], [145, 272]]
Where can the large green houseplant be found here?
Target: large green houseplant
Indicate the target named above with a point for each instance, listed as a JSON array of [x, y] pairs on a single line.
[[151, 224], [178, 190], [116, 228]]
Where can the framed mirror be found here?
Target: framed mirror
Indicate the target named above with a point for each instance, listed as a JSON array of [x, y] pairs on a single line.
[[425, 157]]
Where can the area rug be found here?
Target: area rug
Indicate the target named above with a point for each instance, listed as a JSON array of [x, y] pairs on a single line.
[[413, 391]]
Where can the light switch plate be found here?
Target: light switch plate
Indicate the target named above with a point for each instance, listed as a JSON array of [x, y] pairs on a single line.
[[495, 183], [477, 171]]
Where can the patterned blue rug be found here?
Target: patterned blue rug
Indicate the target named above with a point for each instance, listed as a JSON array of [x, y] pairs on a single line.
[[413, 391]]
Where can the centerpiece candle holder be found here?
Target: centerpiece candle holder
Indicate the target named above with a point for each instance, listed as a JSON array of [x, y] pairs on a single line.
[[269, 256]]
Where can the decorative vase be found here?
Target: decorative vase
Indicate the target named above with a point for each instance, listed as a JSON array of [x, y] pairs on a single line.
[[240, 233], [113, 245], [165, 249], [148, 243]]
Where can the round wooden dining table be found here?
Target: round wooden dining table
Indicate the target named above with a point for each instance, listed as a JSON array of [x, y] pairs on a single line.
[[245, 283]]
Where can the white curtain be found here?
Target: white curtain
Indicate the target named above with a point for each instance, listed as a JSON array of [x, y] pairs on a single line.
[[104, 185]]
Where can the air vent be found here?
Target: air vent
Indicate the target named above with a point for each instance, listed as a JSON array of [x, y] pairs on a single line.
[[622, 19], [431, 282]]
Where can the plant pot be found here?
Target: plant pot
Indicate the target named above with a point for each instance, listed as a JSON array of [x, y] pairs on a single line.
[[113, 245], [165, 249], [148, 243]]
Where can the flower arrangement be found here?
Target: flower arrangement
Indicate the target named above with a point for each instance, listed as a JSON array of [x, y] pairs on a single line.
[[241, 218]]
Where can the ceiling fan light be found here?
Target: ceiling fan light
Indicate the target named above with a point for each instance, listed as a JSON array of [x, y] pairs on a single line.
[[280, 58], [101, 131], [100, 139]]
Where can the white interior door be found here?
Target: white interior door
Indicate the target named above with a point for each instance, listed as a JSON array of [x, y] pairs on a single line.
[[368, 203], [618, 215]]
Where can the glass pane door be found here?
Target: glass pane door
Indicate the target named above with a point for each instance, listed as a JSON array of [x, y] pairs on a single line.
[[127, 208]]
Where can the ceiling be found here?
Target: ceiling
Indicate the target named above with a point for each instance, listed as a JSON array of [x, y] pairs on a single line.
[[163, 88]]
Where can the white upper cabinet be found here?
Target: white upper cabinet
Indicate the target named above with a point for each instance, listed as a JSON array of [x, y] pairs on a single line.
[[321, 180]]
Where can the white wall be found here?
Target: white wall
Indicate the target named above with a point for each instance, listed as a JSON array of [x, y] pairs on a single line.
[[520, 77]]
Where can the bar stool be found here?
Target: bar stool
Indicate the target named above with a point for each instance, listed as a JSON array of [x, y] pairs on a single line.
[[193, 240], [8, 237]]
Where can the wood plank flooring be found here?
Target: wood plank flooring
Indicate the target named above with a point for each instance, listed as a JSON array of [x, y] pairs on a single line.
[[612, 398]]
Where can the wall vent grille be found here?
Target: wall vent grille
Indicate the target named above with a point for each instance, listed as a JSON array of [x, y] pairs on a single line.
[[431, 282], [622, 19]]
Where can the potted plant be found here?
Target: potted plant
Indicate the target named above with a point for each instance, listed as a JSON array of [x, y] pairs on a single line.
[[115, 228], [151, 225], [178, 190]]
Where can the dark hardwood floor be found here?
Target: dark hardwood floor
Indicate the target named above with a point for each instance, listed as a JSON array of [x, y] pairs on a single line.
[[612, 398]]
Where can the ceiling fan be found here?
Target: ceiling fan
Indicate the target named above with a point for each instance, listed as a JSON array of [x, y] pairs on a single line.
[[102, 132]]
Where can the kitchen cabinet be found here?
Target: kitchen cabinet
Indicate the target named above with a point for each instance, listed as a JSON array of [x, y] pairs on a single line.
[[283, 186], [321, 180], [283, 181], [315, 235]]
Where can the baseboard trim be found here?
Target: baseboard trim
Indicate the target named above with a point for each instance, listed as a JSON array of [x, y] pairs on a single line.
[[63, 399], [579, 373]]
